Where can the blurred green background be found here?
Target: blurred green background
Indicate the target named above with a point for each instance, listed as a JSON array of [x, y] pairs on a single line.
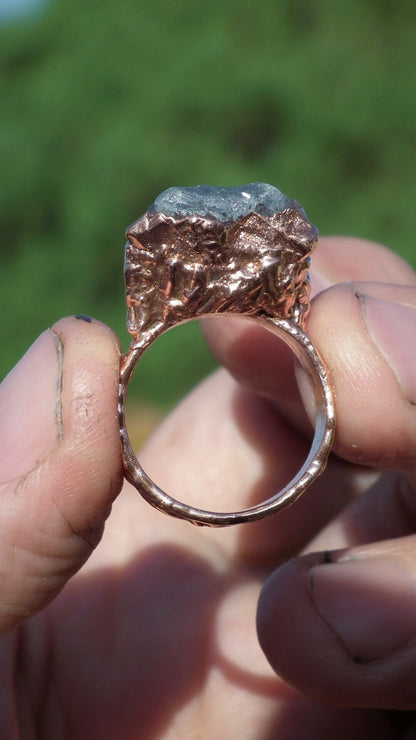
[[106, 104]]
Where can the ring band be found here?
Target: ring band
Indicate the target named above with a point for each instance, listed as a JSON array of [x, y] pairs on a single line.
[[232, 251]]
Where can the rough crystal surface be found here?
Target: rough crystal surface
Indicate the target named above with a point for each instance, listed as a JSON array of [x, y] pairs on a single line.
[[225, 205], [204, 250]]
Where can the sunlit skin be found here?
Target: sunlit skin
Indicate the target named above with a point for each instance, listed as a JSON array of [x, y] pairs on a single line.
[[154, 634]]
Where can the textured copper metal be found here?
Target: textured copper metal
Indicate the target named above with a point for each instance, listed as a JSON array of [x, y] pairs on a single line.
[[178, 269]]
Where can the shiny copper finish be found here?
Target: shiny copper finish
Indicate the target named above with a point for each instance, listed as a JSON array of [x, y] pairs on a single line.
[[178, 269]]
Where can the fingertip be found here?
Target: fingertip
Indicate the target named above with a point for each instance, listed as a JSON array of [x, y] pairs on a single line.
[[368, 388], [292, 635], [311, 624], [89, 397], [86, 330]]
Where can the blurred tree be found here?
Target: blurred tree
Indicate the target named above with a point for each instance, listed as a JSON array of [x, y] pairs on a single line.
[[105, 105]]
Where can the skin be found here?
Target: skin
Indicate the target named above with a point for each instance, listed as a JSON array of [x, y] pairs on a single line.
[[154, 634]]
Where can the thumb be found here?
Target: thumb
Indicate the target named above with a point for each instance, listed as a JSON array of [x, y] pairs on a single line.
[[341, 626], [60, 461]]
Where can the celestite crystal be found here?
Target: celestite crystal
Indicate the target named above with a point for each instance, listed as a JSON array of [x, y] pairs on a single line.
[[225, 205]]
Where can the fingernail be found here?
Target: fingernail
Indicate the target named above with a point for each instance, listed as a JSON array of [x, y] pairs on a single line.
[[30, 416], [392, 327], [369, 603]]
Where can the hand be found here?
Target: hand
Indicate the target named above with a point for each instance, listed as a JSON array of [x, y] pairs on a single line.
[[155, 636]]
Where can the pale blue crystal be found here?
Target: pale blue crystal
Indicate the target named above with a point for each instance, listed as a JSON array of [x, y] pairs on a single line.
[[225, 205]]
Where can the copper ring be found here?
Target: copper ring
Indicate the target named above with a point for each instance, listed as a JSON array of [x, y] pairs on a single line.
[[250, 257]]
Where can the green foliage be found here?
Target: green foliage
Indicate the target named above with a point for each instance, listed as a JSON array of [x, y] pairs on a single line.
[[106, 104]]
